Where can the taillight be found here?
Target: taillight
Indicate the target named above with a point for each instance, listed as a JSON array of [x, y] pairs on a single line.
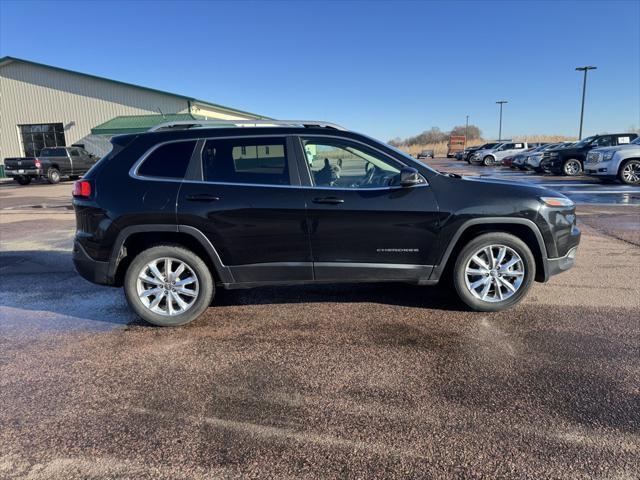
[[82, 188], [37, 163]]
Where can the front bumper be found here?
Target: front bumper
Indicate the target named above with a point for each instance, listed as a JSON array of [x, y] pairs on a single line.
[[32, 172], [562, 264], [601, 169], [90, 269]]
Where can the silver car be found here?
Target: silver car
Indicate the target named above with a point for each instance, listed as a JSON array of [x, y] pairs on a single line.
[[609, 163], [495, 155], [532, 159]]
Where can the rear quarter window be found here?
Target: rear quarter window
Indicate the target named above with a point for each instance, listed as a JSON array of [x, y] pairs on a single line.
[[168, 161]]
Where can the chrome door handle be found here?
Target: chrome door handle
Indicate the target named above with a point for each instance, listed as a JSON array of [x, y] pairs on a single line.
[[329, 200], [202, 197]]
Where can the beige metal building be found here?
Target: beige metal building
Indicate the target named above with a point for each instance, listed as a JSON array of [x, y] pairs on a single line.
[[45, 106]]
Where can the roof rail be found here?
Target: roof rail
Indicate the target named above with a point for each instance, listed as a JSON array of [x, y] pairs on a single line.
[[186, 124]]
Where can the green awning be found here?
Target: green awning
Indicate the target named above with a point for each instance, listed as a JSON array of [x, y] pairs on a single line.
[[139, 123]]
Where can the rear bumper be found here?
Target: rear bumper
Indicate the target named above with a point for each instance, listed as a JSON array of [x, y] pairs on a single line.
[[90, 269], [33, 172]]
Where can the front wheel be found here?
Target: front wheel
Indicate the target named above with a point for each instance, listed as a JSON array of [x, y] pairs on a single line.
[[23, 180], [494, 272], [572, 167], [488, 160], [630, 172], [168, 285]]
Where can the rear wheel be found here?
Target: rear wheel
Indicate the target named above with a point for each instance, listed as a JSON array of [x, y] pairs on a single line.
[[572, 167], [23, 180], [630, 172], [494, 272], [168, 285], [53, 175]]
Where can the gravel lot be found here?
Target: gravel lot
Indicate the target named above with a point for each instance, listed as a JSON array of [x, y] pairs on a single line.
[[364, 381]]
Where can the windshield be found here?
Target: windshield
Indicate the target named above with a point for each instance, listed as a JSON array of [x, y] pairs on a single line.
[[585, 141], [491, 145], [636, 141]]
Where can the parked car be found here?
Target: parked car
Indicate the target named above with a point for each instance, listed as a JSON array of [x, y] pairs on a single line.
[[610, 163], [52, 164], [570, 160], [177, 213], [471, 150], [424, 154], [531, 160], [516, 160], [459, 155], [495, 155]]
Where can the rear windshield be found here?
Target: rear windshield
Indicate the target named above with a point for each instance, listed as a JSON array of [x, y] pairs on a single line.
[[53, 152]]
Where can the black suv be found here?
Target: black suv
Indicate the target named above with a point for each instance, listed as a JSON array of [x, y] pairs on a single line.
[[569, 160], [174, 214]]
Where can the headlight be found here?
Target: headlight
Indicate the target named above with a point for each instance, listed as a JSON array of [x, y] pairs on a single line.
[[608, 155], [553, 154], [557, 201]]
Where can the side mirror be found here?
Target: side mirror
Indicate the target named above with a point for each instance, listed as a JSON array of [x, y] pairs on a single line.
[[410, 177]]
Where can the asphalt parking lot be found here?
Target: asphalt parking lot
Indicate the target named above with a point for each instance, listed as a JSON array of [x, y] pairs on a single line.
[[365, 381]]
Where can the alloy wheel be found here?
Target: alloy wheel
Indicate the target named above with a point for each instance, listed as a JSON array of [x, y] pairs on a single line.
[[167, 286], [572, 167], [631, 172], [494, 273]]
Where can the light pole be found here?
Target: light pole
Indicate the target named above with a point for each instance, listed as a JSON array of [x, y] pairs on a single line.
[[501, 102], [466, 129], [584, 69]]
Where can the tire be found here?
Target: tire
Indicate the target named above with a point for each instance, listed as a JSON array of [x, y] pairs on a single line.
[[53, 176], [630, 172], [22, 180], [488, 160], [464, 284], [571, 167], [203, 287]]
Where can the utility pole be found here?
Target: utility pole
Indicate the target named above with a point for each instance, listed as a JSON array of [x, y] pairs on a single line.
[[466, 132], [584, 69], [501, 102]]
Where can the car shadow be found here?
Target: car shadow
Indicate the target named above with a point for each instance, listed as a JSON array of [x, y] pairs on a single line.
[[46, 284], [388, 293]]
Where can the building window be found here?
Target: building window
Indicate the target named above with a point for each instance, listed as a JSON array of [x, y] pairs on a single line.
[[36, 137]]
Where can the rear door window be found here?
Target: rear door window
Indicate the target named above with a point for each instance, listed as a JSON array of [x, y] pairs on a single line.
[[168, 161], [258, 161]]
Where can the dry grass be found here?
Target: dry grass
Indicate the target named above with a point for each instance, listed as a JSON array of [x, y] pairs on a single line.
[[440, 149]]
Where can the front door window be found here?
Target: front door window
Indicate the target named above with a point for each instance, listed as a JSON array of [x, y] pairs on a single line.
[[337, 163]]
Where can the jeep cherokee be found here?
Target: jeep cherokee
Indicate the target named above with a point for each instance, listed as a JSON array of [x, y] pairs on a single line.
[[176, 213]]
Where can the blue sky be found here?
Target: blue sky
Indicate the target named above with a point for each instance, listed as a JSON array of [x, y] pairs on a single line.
[[384, 68]]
